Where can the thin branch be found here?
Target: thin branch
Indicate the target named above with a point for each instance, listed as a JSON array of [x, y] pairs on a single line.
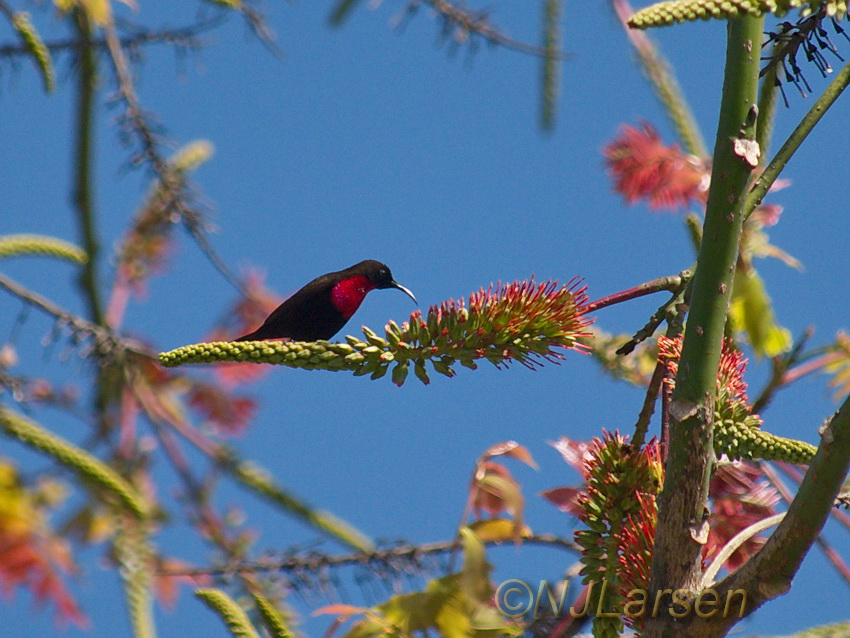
[[106, 341], [788, 497], [648, 407], [316, 562], [173, 192], [182, 37], [670, 284], [663, 313], [784, 154], [478, 23], [794, 472]]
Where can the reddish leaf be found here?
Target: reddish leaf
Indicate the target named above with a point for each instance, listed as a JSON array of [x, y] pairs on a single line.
[[486, 495], [565, 499], [339, 609], [35, 563], [575, 453], [511, 449]]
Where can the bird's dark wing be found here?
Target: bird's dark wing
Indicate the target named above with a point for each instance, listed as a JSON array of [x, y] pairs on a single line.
[[307, 315]]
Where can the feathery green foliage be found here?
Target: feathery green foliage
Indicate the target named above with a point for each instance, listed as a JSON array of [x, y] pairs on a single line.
[[272, 618], [41, 246], [74, 458], [231, 613], [35, 45], [135, 558], [672, 11]]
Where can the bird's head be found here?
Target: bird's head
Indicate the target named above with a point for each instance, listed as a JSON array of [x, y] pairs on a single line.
[[380, 275]]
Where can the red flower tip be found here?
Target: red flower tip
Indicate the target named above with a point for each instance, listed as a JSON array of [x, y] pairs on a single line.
[[730, 372]]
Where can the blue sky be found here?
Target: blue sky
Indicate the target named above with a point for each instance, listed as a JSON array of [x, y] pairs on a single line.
[[367, 142]]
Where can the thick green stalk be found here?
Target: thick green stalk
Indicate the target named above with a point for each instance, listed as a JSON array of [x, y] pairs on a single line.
[[83, 186], [682, 527]]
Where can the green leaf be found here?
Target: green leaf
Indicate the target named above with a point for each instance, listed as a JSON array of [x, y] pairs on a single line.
[[475, 576], [98, 11], [272, 617], [497, 530]]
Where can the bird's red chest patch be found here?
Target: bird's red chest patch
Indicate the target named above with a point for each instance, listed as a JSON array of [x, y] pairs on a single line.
[[348, 294]]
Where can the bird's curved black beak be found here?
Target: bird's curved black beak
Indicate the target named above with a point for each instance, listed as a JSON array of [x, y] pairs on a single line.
[[395, 284]]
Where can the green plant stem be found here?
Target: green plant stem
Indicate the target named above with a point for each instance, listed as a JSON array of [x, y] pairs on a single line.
[[682, 504], [83, 181], [552, 10], [767, 110], [783, 155]]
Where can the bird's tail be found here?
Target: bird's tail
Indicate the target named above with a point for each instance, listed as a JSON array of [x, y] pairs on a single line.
[[251, 336], [261, 334]]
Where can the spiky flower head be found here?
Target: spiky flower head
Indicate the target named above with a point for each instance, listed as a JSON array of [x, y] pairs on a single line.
[[526, 322], [643, 167], [731, 387], [616, 476], [737, 430], [635, 542]]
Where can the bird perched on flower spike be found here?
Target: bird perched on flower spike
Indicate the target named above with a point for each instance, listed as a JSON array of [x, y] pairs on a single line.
[[321, 308], [526, 322]]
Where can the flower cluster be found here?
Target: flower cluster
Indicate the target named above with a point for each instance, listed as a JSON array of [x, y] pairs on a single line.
[[644, 168], [737, 431], [620, 484], [32, 555], [671, 11], [525, 322]]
